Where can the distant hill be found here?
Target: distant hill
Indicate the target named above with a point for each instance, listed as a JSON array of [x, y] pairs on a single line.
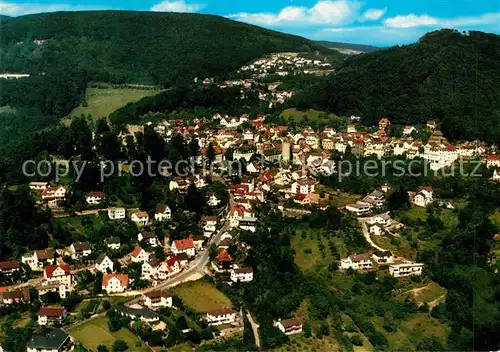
[[349, 48], [448, 76], [129, 46]]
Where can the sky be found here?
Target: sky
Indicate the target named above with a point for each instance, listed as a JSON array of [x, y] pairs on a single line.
[[374, 22]]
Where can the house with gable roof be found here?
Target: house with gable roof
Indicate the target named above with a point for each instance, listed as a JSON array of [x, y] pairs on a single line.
[[184, 246]]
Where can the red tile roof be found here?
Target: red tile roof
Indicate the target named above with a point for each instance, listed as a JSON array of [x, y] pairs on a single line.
[[122, 277], [137, 250], [184, 244], [9, 265], [224, 256], [49, 270], [52, 312]]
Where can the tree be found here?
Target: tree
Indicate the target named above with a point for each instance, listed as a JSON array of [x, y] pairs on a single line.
[[210, 153], [102, 348], [356, 340], [120, 346], [398, 199], [431, 344]]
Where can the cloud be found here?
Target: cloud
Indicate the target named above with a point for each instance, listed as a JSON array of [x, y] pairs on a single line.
[[373, 14], [19, 9], [412, 20], [177, 6], [338, 12]]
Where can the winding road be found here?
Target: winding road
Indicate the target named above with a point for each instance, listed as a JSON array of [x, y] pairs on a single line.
[[194, 268]]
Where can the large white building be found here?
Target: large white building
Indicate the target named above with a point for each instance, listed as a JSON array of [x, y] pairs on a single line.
[[221, 316], [116, 213], [357, 262], [242, 274], [406, 269]]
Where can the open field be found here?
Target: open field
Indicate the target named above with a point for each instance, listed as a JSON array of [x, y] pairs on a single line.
[[412, 331], [102, 102], [96, 332], [336, 199], [424, 293], [307, 251], [311, 115], [201, 296]]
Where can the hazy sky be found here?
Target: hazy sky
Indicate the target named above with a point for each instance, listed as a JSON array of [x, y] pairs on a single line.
[[381, 22]]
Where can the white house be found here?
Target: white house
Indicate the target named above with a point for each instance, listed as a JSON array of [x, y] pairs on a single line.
[[57, 274], [213, 201], [56, 192], [357, 262], [94, 197], [424, 197], [139, 255], [104, 264], [184, 246], [157, 299], [149, 238], [38, 258], [140, 218], [8, 268], [50, 315], [493, 160], [376, 230], [210, 225], [80, 250], [38, 186], [408, 130], [116, 213], [221, 316], [382, 257], [242, 274], [289, 326], [114, 283], [384, 220], [162, 212], [303, 186], [113, 243], [359, 208], [406, 269]]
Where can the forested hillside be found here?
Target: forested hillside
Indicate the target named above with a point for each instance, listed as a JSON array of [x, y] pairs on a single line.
[[447, 76], [150, 47]]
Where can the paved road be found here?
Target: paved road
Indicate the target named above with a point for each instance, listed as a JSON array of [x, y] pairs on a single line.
[[364, 228], [195, 267], [255, 329]]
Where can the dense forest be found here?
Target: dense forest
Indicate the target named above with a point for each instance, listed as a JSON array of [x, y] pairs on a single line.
[[447, 76], [126, 46]]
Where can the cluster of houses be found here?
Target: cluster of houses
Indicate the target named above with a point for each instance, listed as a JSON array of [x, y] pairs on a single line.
[[369, 261], [284, 64], [370, 202], [224, 264]]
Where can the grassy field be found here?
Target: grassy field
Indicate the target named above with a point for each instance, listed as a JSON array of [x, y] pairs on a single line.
[[424, 293], [403, 249], [424, 326], [311, 115], [102, 102], [96, 332], [336, 199], [307, 251], [201, 296]]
